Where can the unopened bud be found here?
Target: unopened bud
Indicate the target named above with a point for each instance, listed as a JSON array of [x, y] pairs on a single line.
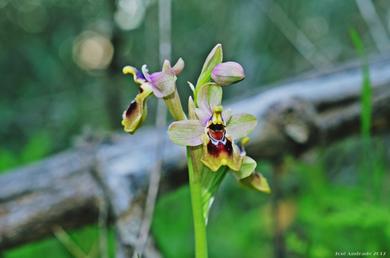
[[227, 73]]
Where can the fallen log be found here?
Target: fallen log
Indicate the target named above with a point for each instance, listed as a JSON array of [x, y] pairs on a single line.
[[69, 189]]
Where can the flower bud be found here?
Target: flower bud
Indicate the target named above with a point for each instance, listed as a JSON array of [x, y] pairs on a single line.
[[227, 73]]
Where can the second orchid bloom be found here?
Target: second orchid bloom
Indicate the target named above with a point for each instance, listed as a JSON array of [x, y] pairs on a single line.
[[162, 84]]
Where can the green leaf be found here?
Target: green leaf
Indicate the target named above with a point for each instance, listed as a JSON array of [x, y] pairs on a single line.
[[215, 57], [210, 183]]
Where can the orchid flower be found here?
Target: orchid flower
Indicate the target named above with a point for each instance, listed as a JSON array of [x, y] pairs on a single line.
[[215, 138], [214, 129], [162, 84]]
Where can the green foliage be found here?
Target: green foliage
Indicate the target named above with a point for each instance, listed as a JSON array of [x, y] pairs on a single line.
[[330, 209], [337, 216], [172, 224], [87, 239], [232, 231], [37, 147], [7, 160]]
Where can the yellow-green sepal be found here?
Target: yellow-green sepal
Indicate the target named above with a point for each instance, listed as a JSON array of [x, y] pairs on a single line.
[[257, 182], [136, 113]]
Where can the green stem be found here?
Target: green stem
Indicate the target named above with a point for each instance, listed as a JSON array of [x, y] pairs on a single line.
[[174, 106], [194, 171]]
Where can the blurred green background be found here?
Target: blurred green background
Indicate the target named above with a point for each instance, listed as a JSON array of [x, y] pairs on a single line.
[[60, 63]]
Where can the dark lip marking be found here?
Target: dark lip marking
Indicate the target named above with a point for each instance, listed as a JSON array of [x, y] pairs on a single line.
[[216, 132], [217, 127], [216, 149], [217, 135], [132, 107]]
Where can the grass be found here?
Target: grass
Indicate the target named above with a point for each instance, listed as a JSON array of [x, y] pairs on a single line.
[[86, 240], [366, 91]]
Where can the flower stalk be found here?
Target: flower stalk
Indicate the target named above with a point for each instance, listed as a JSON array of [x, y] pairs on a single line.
[[174, 106], [194, 173]]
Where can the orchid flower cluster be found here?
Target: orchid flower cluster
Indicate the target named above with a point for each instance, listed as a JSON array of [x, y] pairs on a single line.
[[215, 137]]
